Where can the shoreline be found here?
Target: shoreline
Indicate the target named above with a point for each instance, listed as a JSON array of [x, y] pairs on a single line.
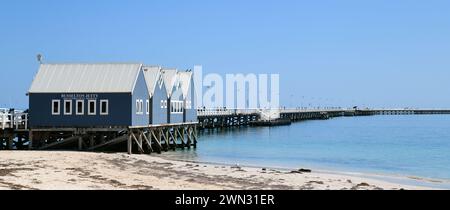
[[402, 179], [66, 170]]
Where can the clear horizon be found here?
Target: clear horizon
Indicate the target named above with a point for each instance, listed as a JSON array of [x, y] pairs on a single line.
[[328, 53]]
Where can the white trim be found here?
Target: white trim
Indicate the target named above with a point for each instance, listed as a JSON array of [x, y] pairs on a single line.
[[136, 106], [189, 104], [147, 108], [82, 107], [176, 107], [160, 81], [139, 106], [137, 77], [67, 112], [89, 107], [107, 107], [53, 107]]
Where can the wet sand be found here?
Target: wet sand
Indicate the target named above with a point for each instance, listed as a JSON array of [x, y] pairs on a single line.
[[55, 170]]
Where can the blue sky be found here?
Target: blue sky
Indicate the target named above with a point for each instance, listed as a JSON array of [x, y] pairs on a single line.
[[375, 53]]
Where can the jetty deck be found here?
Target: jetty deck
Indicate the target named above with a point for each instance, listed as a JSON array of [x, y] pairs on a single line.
[[16, 134]]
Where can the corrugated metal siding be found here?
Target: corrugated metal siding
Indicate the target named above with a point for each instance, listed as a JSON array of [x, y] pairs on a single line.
[[85, 78]]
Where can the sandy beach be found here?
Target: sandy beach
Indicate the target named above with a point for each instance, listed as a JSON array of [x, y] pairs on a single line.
[[54, 170]]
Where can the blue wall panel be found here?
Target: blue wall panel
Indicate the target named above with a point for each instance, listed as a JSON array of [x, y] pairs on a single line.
[[141, 93], [191, 114], [177, 95], [159, 114]]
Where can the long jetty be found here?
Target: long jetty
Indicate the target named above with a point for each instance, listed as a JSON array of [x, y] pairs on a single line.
[[16, 134], [218, 118]]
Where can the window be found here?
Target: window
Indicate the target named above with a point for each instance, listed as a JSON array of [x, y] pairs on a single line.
[[139, 106], [104, 107], [80, 107], [176, 107], [67, 107], [163, 104], [55, 107], [148, 107], [92, 108], [188, 105]]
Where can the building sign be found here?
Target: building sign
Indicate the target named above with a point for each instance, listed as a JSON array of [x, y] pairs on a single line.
[[71, 96]]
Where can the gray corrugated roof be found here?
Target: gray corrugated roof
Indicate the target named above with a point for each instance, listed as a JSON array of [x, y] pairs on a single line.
[[170, 79], [85, 78], [185, 80], [152, 75]]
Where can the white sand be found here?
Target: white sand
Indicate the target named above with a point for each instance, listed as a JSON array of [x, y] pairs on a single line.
[[49, 170]]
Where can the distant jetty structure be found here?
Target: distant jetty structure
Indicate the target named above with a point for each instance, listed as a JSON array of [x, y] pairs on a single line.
[[217, 118], [15, 132]]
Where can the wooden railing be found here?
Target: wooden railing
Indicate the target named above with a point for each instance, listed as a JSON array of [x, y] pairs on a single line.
[[224, 111], [13, 119]]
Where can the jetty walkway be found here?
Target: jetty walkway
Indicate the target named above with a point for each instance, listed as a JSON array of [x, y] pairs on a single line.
[[16, 134]]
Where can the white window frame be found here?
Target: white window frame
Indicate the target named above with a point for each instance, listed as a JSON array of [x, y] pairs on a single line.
[[188, 105], [162, 104], [147, 108], [176, 107], [82, 107], [53, 107], [160, 81], [68, 112], [139, 106], [107, 107], [89, 107]]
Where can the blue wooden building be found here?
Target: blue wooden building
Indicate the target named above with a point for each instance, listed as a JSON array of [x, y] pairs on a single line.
[[174, 101], [88, 96], [188, 95], [156, 104]]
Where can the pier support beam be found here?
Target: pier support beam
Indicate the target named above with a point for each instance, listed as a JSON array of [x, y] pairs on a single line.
[[80, 143], [10, 143], [130, 144], [30, 140]]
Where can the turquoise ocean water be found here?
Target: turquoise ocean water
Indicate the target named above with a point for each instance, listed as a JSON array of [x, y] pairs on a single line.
[[409, 145]]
